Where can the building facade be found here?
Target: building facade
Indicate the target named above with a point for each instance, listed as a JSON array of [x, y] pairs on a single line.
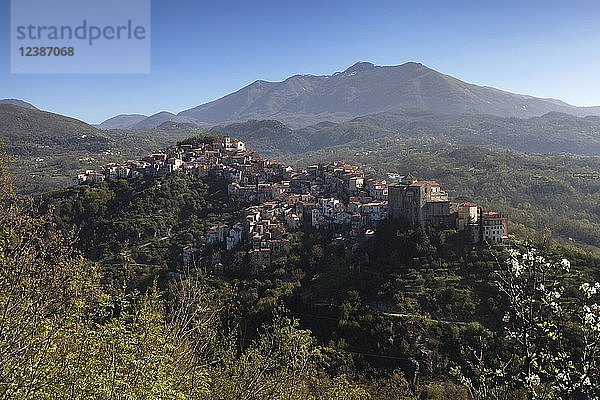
[[421, 203], [492, 227]]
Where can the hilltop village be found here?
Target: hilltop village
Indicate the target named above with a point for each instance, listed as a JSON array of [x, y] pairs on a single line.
[[333, 195]]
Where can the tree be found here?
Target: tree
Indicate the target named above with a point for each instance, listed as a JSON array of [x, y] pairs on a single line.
[[281, 364], [551, 337], [46, 289]]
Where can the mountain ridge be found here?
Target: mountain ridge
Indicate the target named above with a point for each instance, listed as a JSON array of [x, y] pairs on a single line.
[[122, 121], [363, 88], [553, 132], [28, 131], [31, 131]]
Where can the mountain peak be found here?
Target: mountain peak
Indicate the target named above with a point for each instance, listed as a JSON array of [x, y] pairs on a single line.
[[18, 103], [360, 67], [364, 89], [412, 64], [122, 121]]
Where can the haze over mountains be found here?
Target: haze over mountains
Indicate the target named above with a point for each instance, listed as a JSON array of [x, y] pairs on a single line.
[[138, 121], [364, 89]]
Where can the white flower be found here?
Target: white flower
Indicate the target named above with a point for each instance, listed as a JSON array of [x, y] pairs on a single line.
[[533, 379], [561, 376], [587, 381], [593, 290], [566, 264], [516, 267], [588, 290], [584, 287]]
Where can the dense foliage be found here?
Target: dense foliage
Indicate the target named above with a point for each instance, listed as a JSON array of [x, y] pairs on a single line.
[[147, 221], [119, 317], [407, 300], [64, 334]]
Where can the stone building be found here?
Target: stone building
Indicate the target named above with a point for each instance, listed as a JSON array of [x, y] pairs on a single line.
[[421, 203]]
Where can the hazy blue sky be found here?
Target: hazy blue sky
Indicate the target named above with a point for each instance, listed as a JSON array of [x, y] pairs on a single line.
[[202, 50]]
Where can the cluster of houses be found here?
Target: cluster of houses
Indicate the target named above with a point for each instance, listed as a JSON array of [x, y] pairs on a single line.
[[211, 156], [334, 195]]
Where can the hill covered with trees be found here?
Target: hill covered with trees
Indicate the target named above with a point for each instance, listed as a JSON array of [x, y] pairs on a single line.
[[398, 317]]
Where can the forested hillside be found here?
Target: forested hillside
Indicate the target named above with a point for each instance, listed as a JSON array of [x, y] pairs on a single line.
[[397, 318]]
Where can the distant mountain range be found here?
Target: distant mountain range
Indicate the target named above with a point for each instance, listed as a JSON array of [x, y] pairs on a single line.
[[29, 131], [138, 121], [47, 148], [350, 108], [551, 133], [360, 90]]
